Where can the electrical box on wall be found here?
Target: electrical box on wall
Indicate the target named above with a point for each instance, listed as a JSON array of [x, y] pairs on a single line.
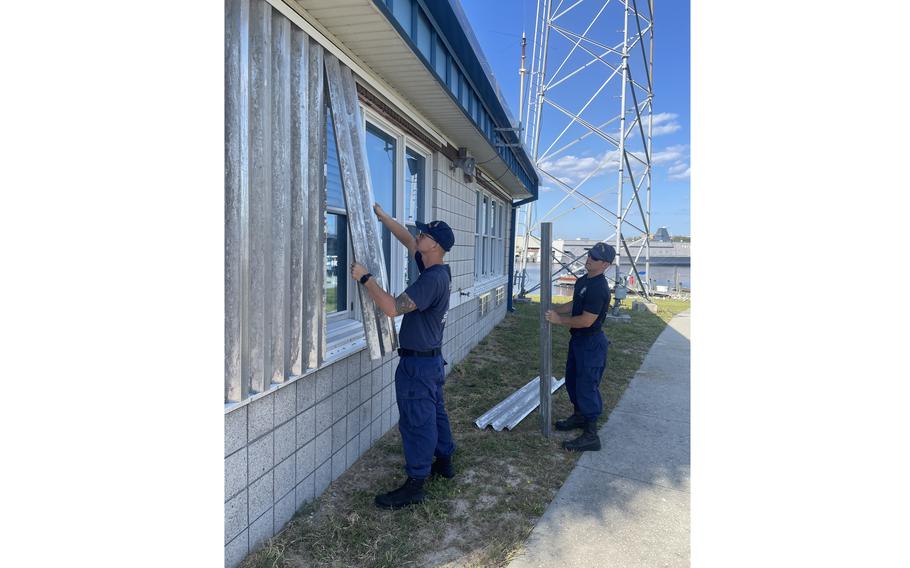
[[467, 164]]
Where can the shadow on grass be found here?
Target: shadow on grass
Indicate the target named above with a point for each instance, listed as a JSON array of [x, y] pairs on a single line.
[[504, 480]]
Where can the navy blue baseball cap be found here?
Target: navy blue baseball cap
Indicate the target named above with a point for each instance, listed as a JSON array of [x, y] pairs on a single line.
[[603, 251], [439, 231]]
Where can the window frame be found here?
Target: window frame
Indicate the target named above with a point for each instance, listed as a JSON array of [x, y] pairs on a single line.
[[399, 260], [489, 234]]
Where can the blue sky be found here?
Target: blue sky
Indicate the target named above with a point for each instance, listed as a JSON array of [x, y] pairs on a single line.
[[498, 26]]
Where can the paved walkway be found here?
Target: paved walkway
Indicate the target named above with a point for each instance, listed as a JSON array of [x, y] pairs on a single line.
[[628, 504]]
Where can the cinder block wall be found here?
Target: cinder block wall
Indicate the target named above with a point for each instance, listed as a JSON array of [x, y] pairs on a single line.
[[455, 203], [283, 449]]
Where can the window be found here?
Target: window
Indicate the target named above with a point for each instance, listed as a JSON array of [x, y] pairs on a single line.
[[381, 155], [401, 9], [398, 173], [440, 60], [398, 177], [415, 182], [488, 236], [423, 39], [452, 76], [478, 239], [485, 227], [336, 246], [336, 262]]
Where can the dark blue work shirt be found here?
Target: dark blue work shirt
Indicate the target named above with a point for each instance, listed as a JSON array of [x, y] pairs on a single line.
[[421, 329], [591, 295]]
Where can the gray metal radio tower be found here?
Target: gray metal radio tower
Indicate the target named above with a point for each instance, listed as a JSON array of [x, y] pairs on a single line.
[[591, 79]]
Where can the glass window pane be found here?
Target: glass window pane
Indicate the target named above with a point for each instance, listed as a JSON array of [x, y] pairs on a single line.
[[490, 228], [486, 216], [423, 34], [411, 272], [456, 82], [336, 261], [440, 62], [478, 256], [402, 11], [333, 189], [487, 255], [415, 180], [502, 220], [414, 186], [478, 220], [381, 156]]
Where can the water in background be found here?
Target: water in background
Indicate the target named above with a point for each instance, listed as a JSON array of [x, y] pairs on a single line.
[[660, 276]]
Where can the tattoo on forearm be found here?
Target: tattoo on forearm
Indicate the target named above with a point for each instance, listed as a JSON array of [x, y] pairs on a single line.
[[404, 304]]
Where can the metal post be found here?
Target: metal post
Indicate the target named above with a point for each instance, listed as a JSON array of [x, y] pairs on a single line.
[[546, 292]]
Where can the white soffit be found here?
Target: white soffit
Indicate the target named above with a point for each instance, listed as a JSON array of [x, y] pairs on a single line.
[[373, 48]]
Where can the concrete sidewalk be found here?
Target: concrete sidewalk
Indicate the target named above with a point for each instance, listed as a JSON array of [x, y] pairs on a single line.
[[628, 504]]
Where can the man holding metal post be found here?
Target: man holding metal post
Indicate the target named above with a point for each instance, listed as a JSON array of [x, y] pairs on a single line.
[[423, 422], [587, 358]]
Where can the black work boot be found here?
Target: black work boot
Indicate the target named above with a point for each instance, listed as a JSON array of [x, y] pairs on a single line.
[[410, 493], [571, 423], [589, 441], [443, 466]]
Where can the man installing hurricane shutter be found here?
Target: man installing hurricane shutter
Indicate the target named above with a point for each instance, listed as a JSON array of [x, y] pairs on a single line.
[[423, 422]]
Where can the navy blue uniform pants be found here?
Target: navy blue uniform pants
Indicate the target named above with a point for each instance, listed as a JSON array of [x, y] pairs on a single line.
[[422, 418], [584, 369]]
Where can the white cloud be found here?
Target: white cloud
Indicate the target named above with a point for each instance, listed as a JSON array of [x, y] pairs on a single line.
[[572, 169], [667, 129], [682, 174], [663, 123], [668, 154], [680, 168]]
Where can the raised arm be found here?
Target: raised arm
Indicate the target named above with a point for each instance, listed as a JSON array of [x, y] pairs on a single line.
[[401, 233]]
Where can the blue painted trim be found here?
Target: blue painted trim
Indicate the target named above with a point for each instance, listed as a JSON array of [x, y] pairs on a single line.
[[446, 25]]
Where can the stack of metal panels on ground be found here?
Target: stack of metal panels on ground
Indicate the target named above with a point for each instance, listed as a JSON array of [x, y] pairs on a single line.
[[514, 409]]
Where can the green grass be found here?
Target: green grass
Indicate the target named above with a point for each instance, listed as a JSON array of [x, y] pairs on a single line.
[[504, 481]]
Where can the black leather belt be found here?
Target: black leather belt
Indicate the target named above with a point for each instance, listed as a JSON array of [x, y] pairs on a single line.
[[411, 353]]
